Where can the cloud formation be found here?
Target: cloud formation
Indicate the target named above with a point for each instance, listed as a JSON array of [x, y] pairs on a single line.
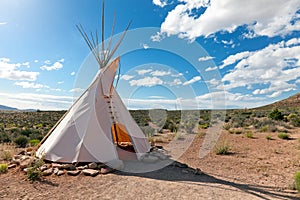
[[11, 71], [56, 66], [262, 18]]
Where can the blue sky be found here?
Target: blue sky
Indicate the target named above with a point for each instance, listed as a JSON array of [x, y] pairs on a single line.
[[177, 54]]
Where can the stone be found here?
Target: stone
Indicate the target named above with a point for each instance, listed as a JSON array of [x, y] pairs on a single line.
[[116, 164], [12, 166], [44, 167], [56, 165], [185, 171], [55, 170], [47, 172], [150, 159], [90, 172], [17, 157], [68, 167], [106, 170], [25, 163], [92, 165], [22, 152], [26, 169], [60, 172], [73, 172], [16, 161], [82, 167], [30, 153]]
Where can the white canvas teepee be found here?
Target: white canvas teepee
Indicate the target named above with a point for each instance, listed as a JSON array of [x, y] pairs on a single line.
[[98, 122]]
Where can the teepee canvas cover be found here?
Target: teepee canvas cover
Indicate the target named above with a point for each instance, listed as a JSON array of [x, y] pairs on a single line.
[[87, 133]]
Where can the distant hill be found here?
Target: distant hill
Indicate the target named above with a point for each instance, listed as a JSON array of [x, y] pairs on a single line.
[[291, 103], [7, 108]]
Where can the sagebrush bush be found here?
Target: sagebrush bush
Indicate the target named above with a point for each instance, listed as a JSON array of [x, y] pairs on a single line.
[[222, 149], [34, 170], [269, 137], [249, 134], [7, 155], [297, 181], [3, 168], [21, 141], [34, 143], [284, 136]]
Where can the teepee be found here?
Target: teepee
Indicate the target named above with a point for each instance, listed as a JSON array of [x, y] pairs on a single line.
[[97, 127]]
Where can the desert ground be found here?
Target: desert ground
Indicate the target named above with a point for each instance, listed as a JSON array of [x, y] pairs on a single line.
[[255, 168]]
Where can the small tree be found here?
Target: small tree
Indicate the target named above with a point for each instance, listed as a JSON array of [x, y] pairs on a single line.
[[276, 115]]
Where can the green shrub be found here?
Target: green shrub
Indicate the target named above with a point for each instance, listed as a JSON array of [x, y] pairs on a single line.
[[276, 115], [222, 149], [4, 137], [264, 128], [203, 126], [227, 126], [249, 134], [34, 171], [283, 136], [269, 137], [297, 181], [7, 156], [3, 168], [21, 141], [34, 143]]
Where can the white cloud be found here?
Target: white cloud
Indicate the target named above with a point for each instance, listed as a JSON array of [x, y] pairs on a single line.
[[48, 62], [72, 73], [10, 71], [293, 41], [126, 77], [160, 3], [234, 58], [3, 23], [36, 61], [272, 69], [211, 68], [297, 81], [76, 90], [147, 82], [226, 15], [143, 71], [205, 58], [60, 82], [160, 73], [26, 85], [193, 80], [177, 75], [176, 81], [56, 66]]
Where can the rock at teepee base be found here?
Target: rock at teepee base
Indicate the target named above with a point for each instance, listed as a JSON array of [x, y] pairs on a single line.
[[12, 166], [47, 172], [25, 163], [106, 170], [92, 165], [90, 172], [73, 173]]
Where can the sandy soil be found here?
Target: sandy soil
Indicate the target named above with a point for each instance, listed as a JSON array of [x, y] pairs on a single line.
[[256, 169]]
